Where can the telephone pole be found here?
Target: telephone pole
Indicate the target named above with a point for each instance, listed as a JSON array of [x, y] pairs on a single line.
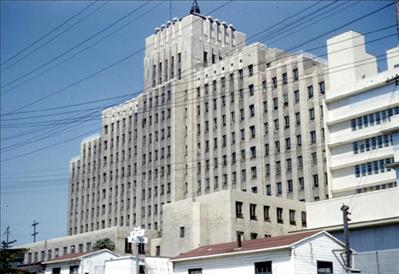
[[7, 243], [348, 252], [34, 230]]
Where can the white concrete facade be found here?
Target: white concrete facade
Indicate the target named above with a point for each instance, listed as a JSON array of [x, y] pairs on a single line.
[[360, 106], [365, 207], [215, 115], [219, 217]]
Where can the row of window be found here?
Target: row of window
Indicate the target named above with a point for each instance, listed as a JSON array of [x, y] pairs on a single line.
[[266, 213], [46, 256], [373, 118], [372, 143], [374, 167]]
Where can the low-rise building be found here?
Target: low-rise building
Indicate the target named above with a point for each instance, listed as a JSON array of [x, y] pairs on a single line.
[[300, 253], [223, 216], [79, 263], [54, 248]]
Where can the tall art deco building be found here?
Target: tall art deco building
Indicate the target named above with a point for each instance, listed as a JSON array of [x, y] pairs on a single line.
[[215, 114]]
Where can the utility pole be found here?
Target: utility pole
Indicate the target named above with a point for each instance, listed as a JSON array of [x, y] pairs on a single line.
[[7, 243], [34, 230], [348, 252]]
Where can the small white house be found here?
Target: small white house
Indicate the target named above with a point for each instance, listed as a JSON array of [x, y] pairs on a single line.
[[80, 263], [127, 265], [300, 253]]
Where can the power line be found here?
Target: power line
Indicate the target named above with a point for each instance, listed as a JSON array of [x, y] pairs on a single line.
[[50, 32], [81, 51], [55, 37], [133, 54], [74, 47]]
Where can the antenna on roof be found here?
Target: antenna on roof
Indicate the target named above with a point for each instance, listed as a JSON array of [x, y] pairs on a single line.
[[195, 8]]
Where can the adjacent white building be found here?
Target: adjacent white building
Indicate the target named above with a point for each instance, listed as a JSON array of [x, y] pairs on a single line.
[[361, 105], [300, 253], [80, 263]]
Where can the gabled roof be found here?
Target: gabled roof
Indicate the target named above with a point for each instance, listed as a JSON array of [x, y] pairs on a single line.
[[77, 256], [265, 244], [67, 257]]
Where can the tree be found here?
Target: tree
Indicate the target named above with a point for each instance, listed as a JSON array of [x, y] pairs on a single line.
[[10, 259], [105, 243]]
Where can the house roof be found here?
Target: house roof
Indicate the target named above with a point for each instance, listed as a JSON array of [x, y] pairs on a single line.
[[67, 257], [231, 248], [78, 256]]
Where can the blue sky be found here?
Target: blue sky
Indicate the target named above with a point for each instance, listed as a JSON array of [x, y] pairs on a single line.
[[37, 143]]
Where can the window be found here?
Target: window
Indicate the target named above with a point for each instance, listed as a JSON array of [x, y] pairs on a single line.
[[289, 185], [276, 125], [274, 80], [296, 95], [298, 118], [275, 103], [252, 211], [253, 132], [299, 140], [279, 188], [295, 73], [315, 180], [195, 271], [250, 70], [56, 270], [301, 183], [252, 110], [324, 267], [263, 268], [285, 78], [310, 91], [313, 137], [254, 236], [322, 87], [286, 122], [268, 190], [80, 247], [239, 210], [182, 232], [251, 90], [303, 218], [279, 215], [292, 217], [266, 213], [311, 114]]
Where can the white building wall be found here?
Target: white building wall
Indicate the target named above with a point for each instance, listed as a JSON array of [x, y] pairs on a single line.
[[126, 265], [320, 248], [89, 264], [281, 264], [359, 106], [370, 206]]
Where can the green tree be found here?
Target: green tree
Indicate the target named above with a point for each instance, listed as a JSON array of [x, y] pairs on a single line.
[[9, 259], [104, 243]]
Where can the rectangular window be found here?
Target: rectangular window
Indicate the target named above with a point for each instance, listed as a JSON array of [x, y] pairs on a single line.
[[239, 210], [279, 215], [182, 232], [195, 271], [322, 87], [296, 74], [324, 267], [266, 213], [310, 91], [263, 268], [252, 211], [292, 217]]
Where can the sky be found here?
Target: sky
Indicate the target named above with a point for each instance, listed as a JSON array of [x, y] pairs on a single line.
[[62, 62]]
